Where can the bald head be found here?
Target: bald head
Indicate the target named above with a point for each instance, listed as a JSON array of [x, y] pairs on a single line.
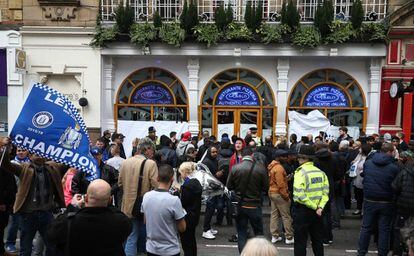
[[98, 194]]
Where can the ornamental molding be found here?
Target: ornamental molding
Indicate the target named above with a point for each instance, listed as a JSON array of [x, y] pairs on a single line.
[[59, 13]]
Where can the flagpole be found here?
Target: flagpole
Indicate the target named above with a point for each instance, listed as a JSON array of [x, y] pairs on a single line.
[[5, 148]]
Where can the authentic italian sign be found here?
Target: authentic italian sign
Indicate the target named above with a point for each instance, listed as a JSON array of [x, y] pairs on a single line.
[[238, 95], [326, 96], [152, 94]]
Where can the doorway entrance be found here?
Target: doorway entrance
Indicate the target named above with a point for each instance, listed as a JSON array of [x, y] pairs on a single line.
[[234, 101], [236, 121]]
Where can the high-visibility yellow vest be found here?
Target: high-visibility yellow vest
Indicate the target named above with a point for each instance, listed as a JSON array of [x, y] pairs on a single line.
[[310, 186]]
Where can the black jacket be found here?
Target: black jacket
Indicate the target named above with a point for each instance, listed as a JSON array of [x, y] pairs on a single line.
[[403, 186], [191, 192], [259, 182], [94, 231], [8, 190], [212, 163], [108, 173], [327, 164], [402, 146]]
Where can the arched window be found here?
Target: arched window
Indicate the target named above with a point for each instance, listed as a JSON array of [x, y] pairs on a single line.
[[333, 92], [237, 99], [151, 94]]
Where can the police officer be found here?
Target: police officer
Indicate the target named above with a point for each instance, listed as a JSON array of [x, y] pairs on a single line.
[[310, 195]]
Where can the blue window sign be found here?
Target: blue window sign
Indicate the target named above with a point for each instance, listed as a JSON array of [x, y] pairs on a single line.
[[152, 93], [237, 95], [326, 96]]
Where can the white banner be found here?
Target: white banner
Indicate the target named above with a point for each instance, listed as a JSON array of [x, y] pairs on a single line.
[[312, 123], [139, 129]]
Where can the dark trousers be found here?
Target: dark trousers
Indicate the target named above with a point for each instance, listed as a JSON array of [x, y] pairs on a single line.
[[213, 203], [398, 245], [224, 202], [327, 223], [307, 222], [4, 219], [359, 197], [188, 242], [244, 216], [379, 215], [30, 223]]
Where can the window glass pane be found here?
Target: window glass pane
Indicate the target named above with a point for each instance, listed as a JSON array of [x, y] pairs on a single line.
[[267, 122], [180, 97], [315, 77], [170, 114], [356, 96], [339, 77], [126, 90], [266, 95], [226, 76], [163, 76], [297, 95], [134, 113], [209, 93], [346, 117], [206, 118], [140, 76], [249, 77]]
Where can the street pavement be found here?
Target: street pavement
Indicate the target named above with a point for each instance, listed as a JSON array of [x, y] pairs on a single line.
[[345, 239]]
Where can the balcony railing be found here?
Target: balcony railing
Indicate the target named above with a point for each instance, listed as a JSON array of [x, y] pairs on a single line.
[[171, 9]]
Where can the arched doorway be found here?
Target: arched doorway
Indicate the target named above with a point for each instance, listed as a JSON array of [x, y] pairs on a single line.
[[235, 100], [151, 94], [336, 94]]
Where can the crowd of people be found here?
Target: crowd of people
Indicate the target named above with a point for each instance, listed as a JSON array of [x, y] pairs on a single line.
[[150, 203]]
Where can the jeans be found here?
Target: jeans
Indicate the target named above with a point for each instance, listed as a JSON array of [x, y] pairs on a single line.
[[137, 239], [376, 214], [359, 197], [224, 202], [12, 230], [212, 204], [30, 223], [244, 216], [305, 222]]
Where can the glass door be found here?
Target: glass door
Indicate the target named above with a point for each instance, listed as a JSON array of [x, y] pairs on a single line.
[[225, 122], [248, 119]]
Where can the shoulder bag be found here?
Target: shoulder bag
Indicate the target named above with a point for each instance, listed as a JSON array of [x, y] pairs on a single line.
[[136, 210]]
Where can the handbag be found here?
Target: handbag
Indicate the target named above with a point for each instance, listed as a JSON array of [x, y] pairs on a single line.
[[136, 209], [238, 201]]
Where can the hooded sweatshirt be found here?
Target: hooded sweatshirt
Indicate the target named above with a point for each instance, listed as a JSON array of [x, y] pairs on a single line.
[[379, 172], [278, 183], [183, 147]]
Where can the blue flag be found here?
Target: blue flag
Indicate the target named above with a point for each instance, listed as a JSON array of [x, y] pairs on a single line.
[[49, 125]]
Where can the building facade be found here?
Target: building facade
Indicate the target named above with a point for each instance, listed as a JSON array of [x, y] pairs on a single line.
[[225, 88], [397, 112]]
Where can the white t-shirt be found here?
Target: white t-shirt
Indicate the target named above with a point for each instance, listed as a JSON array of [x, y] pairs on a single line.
[[115, 162], [161, 211]]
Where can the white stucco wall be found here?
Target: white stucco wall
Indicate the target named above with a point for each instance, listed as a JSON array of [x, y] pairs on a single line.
[[65, 60]]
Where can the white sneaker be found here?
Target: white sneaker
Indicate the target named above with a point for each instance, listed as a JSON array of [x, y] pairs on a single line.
[[208, 235], [214, 231], [276, 239], [290, 241]]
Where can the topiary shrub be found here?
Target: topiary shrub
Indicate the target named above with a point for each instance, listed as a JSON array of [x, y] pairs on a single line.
[[357, 15], [291, 16], [220, 17], [124, 17], [229, 14], [157, 20], [324, 17], [192, 18], [248, 15]]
